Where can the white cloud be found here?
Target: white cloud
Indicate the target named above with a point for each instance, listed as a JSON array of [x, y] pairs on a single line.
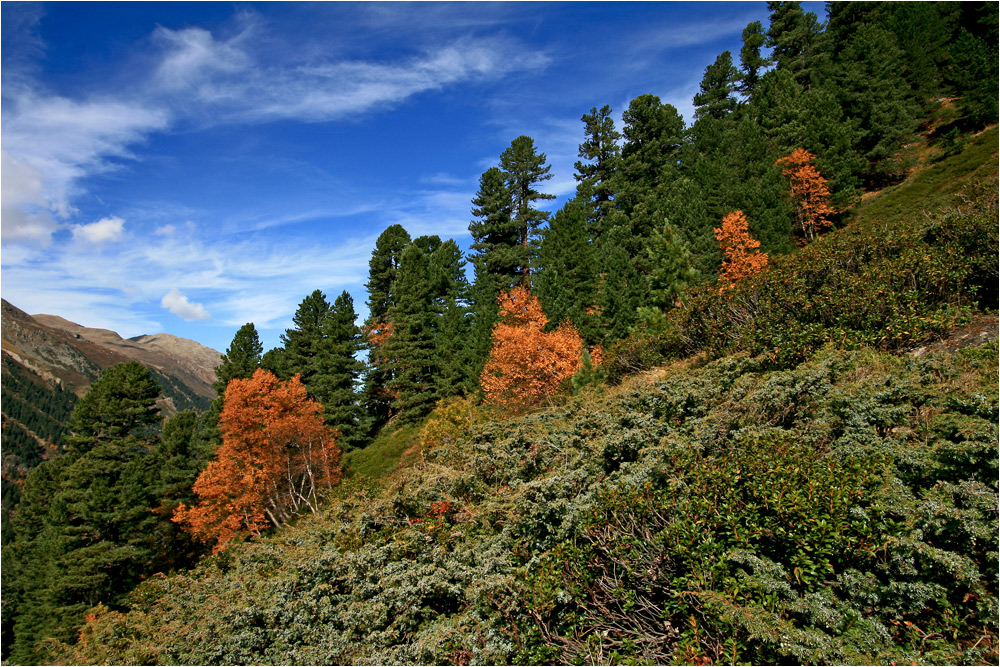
[[25, 213], [100, 232], [165, 230], [231, 84], [50, 143], [179, 305]]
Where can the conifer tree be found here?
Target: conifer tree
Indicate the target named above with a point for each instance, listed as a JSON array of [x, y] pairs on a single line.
[[456, 362], [241, 359], [383, 269], [523, 169], [596, 175], [503, 233], [304, 344], [871, 85], [796, 40], [715, 99], [411, 347], [672, 271], [95, 536], [567, 280], [336, 387], [751, 61]]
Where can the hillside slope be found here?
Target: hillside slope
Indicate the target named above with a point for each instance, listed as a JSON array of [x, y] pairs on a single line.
[[190, 362], [825, 506], [48, 362]]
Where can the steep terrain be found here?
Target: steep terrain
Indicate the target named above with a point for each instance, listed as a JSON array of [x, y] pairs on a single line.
[[65, 353], [49, 362], [822, 506], [190, 362]]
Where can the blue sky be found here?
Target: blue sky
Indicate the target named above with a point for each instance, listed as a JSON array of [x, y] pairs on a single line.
[[188, 167]]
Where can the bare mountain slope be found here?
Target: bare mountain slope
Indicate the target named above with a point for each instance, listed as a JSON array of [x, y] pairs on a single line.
[[189, 361]]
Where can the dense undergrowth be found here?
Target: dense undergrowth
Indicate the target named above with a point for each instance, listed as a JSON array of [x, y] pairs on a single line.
[[842, 511]]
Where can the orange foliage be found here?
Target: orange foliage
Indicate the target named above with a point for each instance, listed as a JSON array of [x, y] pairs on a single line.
[[378, 334], [740, 257], [527, 363], [809, 190], [276, 457]]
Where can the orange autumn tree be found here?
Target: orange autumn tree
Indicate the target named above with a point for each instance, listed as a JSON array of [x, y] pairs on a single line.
[[276, 459], [527, 363], [809, 190], [740, 255]]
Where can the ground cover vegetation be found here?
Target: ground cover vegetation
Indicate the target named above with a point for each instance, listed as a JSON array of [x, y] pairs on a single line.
[[672, 422]]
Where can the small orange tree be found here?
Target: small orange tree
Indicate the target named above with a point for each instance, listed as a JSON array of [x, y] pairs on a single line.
[[527, 363], [740, 256], [809, 191], [276, 457]]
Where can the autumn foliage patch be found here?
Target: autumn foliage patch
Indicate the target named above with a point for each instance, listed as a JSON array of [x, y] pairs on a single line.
[[809, 190], [740, 255], [276, 459], [527, 363]]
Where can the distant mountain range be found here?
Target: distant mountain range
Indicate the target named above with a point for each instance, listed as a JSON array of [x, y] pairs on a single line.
[[49, 362], [71, 355]]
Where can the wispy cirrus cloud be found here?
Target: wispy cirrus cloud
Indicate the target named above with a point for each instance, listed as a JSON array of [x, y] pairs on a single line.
[[227, 78], [52, 142]]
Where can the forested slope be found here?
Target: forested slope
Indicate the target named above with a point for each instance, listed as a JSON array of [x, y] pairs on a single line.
[[678, 420], [752, 508]]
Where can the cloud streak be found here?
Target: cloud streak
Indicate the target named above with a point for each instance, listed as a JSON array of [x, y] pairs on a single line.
[[225, 77]]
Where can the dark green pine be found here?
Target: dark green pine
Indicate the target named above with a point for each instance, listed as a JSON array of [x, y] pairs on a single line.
[[595, 173], [383, 268], [523, 169], [567, 280], [716, 97], [303, 343], [797, 44], [93, 543], [411, 348], [337, 385], [241, 359], [752, 63]]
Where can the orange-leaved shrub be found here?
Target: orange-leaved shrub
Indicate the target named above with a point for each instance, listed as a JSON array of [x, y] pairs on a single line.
[[276, 458], [740, 255], [527, 363], [809, 190]]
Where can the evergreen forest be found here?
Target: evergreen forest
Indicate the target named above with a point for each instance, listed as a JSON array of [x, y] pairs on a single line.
[[715, 408]]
